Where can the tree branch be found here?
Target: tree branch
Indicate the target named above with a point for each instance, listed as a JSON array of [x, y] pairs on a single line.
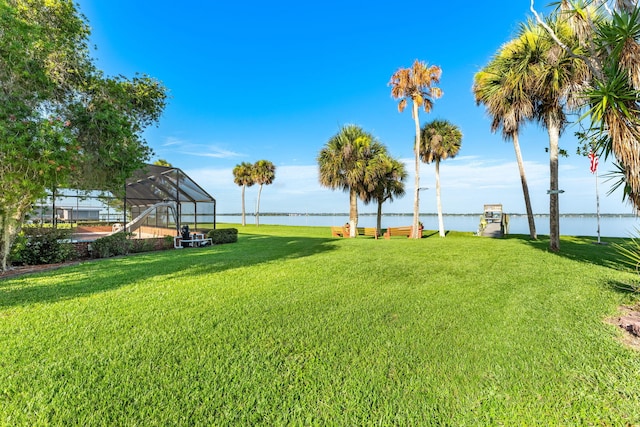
[[591, 62]]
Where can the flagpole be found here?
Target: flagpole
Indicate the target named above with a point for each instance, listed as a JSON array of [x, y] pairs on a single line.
[[597, 206], [593, 167]]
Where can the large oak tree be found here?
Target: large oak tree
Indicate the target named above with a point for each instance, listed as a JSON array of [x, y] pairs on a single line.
[[62, 122]]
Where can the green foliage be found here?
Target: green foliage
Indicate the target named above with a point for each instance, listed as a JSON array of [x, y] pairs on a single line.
[[113, 245], [612, 95], [263, 172], [109, 123], [439, 140], [38, 245], [62, 122], [629, 252], [168, 242], [354, 161], [141, 245], [223, 235], [243, 174]]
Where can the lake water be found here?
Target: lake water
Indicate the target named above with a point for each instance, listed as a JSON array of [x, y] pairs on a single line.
[[570, 225]]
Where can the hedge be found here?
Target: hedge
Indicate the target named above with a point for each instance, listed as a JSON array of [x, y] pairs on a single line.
[[223, 235]]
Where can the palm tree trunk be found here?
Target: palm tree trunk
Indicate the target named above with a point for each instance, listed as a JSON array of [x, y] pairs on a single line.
[[244, 222], [439, 200], [258, 206], [379, 219], [525, 188], [353, 214], [416, 196], [554, 208]]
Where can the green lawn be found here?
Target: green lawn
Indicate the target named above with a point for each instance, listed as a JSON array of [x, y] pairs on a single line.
[[292, 327]]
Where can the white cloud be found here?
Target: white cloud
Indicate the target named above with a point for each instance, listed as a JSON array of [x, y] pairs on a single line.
[[174, 145], [467, 183], [171, 141], [212, 152]]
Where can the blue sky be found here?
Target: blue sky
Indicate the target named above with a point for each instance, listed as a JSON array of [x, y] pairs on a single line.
[[253, 80]]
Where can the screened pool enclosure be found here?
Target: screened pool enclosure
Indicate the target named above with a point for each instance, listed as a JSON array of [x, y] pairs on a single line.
[[158, 201]]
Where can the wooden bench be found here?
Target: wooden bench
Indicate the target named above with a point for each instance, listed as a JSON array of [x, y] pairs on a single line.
[[360, 231], [368, 231], [399, 231], [337, 231]]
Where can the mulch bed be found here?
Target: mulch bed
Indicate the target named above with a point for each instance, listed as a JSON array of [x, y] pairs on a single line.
[[629, 320], [26, 269]]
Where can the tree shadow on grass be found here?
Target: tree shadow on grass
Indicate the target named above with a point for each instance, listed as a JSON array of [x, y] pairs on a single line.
[[98, 276], [624, 288], [581, 249]]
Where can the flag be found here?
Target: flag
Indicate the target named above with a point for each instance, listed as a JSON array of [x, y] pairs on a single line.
[[593, 162]]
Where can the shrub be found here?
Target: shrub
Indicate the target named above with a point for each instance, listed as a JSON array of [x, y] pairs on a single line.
[[223, 235], [37, 245], [108, 246], [141, 245], [630, 255], [168, 242]]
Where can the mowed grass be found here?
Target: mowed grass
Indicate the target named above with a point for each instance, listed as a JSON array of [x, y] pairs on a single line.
[[292, 327]]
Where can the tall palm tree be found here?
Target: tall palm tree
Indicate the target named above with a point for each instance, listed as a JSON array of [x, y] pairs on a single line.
[[264, 172], [615, 110], [552, 79], [416, 84], [243, 176], [557, 79], [349, 161], [500, 87], [609, 46], [439, 140]]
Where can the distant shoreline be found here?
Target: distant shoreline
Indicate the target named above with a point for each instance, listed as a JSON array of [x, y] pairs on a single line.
[[618, 215]]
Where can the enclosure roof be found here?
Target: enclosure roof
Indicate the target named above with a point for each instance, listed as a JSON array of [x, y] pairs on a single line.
[[152, 184]]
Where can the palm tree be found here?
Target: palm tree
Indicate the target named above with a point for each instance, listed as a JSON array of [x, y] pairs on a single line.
[[389, 187], [615, 111], [439, 140], [243, 176], [500, 86], [609, 47], [416, 84], [557, 79], [349, 161], [550, 78], [264, 172]]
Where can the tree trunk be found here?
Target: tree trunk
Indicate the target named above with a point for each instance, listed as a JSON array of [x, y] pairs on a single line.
[[554, 208], [6, 241], [525, 188], [244, 222], [379, 219], [439, 200], [353, 213], [416, 197], [258, 206], [11, 219]]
